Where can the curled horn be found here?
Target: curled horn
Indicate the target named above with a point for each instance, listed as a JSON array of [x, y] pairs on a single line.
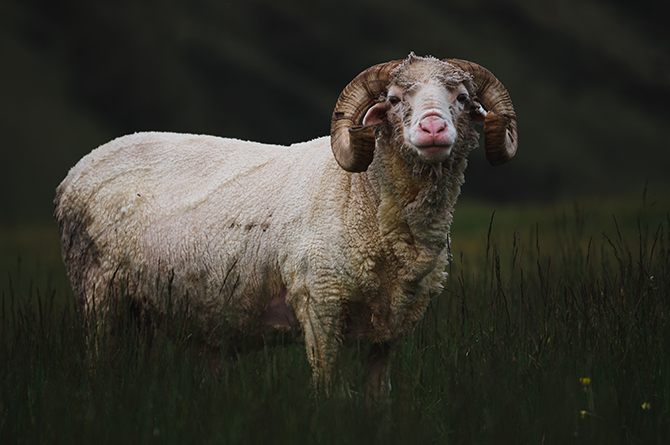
[[353, 144], [500, 137]]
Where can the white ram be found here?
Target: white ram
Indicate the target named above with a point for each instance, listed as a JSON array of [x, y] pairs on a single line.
[[258, 236]]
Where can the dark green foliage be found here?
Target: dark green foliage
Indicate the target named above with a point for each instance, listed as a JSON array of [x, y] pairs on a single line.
[[536, 300], [588, 80]]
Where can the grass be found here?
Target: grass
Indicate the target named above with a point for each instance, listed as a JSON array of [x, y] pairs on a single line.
[[553, 328]]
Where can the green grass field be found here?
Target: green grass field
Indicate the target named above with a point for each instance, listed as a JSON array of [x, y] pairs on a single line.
[[553, 328]]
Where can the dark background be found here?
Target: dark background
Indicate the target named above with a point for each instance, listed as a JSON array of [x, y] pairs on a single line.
[[590, 81]]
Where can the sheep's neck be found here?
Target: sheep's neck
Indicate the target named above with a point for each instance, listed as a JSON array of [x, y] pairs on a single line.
[[414, 207]]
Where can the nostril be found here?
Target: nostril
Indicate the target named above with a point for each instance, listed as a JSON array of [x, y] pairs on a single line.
[[432, 125]]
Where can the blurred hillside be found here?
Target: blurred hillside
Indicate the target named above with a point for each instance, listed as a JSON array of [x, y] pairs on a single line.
[[589, 80]]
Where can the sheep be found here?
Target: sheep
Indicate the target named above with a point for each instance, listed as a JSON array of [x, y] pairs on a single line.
[[340, 237]]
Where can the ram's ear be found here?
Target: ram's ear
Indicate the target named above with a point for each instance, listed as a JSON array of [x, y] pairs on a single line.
[[376, 114]]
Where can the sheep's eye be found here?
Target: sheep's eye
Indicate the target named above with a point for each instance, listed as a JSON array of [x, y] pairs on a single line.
[[394, 100], [462, 98]]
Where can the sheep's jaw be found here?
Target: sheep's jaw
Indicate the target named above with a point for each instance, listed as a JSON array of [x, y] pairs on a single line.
[[434, 154]]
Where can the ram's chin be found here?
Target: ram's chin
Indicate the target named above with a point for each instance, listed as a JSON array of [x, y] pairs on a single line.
[[435, 154]]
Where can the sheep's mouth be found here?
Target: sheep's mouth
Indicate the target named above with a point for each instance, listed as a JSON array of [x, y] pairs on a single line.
[[434, 147], [434, 153]]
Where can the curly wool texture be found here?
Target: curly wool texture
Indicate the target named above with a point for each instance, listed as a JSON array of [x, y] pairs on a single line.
[[253, 235]]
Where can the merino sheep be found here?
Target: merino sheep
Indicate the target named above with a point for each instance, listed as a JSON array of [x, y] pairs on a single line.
[[258, 236]]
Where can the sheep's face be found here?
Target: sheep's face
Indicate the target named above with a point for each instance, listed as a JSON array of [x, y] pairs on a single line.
[[430, 103]]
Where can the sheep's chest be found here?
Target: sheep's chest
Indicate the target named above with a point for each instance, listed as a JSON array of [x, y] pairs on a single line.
[[395, 291]]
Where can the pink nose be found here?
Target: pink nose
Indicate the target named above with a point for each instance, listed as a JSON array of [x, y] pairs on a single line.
[[433, 125]]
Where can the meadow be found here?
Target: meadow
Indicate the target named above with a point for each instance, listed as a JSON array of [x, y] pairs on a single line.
[[552, 329]]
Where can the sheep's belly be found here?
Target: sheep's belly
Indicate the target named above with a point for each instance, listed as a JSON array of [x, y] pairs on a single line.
[[277, 313]]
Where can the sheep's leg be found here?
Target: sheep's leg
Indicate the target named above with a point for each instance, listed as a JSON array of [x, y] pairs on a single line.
[[379, 363], [322, 330]]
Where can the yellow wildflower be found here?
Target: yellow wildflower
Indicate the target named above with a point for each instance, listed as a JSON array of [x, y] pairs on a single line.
[[582, 414], [646, 405], [585, 381]]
